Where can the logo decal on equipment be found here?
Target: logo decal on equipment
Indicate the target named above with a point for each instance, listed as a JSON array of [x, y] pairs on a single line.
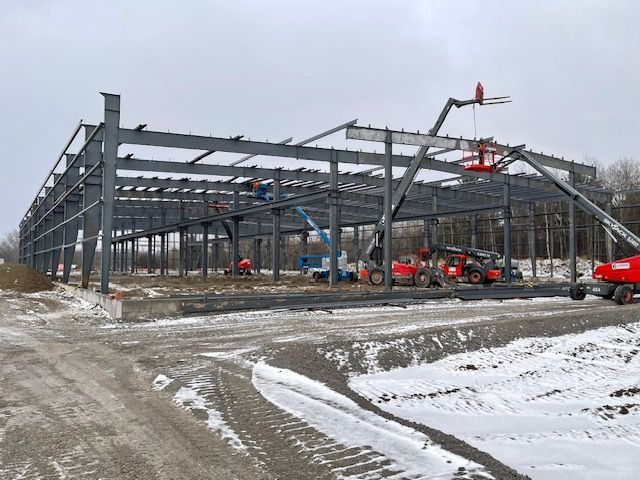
[[621, 266]]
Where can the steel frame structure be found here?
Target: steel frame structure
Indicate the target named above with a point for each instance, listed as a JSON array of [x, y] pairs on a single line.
[[101, 198]]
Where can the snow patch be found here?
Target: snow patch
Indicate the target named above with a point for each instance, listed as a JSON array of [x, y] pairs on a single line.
[[189, 399], [344, 421], [161, 382], [563, 407]]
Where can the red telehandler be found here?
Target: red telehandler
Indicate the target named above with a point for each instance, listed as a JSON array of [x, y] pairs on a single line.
[[464, 264]]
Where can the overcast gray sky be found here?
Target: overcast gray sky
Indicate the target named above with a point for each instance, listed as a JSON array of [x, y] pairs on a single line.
[[273, 69]]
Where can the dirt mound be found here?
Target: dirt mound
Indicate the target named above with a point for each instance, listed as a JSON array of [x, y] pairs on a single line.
[[21, 278]]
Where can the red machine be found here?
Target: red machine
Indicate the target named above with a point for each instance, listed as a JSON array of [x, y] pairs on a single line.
[[470, 265], [464, 264], [618, 280], [407, 270], [245, 267]]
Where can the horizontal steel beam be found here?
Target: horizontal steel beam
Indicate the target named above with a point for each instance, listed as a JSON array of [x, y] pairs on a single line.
[[423, 140], [293, 201]]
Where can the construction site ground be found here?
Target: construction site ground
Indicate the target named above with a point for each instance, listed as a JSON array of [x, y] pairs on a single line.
[[273, 394], [152, 285], [145, 285]]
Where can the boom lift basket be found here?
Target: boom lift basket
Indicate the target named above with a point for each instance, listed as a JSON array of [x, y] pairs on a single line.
[[482, 160]]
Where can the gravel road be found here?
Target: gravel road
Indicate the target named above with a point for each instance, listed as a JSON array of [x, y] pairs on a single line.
[[83, 397]]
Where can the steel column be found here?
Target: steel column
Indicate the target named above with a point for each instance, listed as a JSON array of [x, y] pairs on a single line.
[[275, 243], [58, 233], [434, 230], [532, 238], [473, 230], [333, 222], [572, 232], [388, 213], [205, 250], [235, 241], [507, 232], [92, 189], [110, 134]]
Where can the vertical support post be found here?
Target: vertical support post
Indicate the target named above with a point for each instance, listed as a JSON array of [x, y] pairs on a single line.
[[181, 235], [126, 255], [434, 229], [235, 241], [163, 254], [473, 230], [275, 243], [356, 246], [110, 130], [133, 255], [71, 208], [388, 213], [593, 246], [572, 231], [507, 232], [205, 250], [333, 220], [137, 249], [58, 233], [256, 255], [216, 248], [92, 190], [48, 237], [304, 245], [532, 239], [149, 254]]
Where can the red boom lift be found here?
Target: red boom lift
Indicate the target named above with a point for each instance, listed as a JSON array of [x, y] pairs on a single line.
[[618, 280]]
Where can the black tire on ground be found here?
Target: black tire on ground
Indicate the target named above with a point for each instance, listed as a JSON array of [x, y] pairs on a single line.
[[315, 277], [623, 295], [422, 277], [226, 272], [475, 276], [376, 276], [353, 276], [577, 291]]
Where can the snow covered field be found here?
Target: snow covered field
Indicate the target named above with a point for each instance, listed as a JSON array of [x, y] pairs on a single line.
[[409, 452], [563, 407]]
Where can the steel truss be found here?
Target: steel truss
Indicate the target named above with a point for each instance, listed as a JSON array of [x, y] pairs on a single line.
[[101, 198]]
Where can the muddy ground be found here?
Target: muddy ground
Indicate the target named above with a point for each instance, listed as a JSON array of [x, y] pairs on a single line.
[[142, 285], [78, 397]]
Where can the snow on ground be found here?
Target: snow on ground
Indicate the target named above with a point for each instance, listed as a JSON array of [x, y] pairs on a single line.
[[343, 420], [564, 407], [189, 399], [561, 268], [161, 382]]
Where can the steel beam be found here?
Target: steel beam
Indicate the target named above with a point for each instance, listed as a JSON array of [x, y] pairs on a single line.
[[422, 140], [111, 137], [507, 232], [333, 224], [388, 214], [275, 243], [91, 193]]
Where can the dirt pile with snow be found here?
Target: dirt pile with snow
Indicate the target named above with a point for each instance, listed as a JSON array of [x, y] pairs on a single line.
[[21, 278]]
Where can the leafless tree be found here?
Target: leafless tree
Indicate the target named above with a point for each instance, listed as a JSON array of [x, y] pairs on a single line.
[[9, 246]]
